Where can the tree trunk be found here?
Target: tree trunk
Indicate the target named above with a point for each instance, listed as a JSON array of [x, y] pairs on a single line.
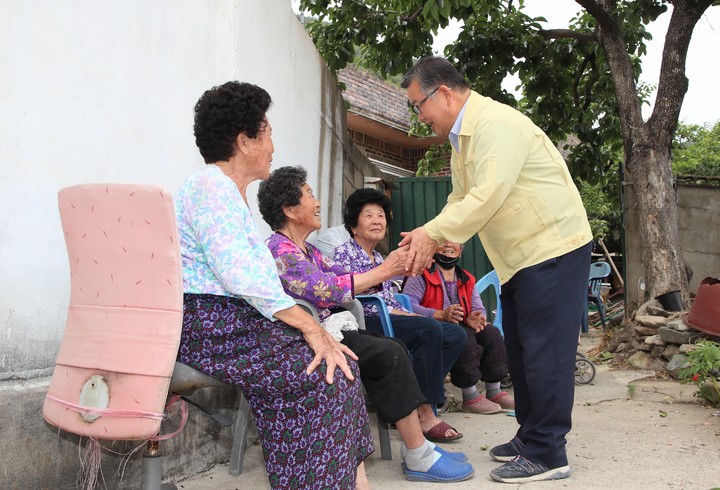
[[659, 232], [647, 145]]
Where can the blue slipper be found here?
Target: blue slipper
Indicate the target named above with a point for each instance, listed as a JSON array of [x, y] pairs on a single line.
[[456, 456], [444, 470]]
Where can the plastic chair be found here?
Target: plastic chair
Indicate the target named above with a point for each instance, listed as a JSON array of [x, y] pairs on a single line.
[[387, 328], [598, 271], [404, 301], [491, 279], [117, 358], [370, 299], [355, 307]]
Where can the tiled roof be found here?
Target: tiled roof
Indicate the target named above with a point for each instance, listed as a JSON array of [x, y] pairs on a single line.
[[374, 98]]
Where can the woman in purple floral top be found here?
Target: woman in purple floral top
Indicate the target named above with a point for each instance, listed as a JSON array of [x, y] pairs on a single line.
[[434, 345], [287, 204]]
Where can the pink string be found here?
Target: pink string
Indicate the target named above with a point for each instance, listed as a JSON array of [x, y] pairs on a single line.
[[183, 417], [110, 412]]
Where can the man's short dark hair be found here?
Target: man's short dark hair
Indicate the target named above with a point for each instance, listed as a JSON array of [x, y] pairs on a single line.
[[433, 71]]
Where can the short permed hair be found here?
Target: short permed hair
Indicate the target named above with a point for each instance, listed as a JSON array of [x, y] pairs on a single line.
[[358, 200], [225, 111], [282, 189], [433, 71]]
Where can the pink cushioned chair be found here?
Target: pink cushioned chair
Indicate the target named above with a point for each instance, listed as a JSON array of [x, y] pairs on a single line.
[[117, 358]]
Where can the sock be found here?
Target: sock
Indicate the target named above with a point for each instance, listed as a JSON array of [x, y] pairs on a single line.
[[470, 393], [492, 389], [421, 458]]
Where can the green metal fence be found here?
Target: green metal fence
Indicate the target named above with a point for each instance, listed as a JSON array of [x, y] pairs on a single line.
[[416, 201]]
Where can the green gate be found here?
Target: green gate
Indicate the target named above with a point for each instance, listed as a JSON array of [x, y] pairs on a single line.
[[416, 201]]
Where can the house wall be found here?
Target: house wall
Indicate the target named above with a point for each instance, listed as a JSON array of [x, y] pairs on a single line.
[[104, 92], [387, 152]]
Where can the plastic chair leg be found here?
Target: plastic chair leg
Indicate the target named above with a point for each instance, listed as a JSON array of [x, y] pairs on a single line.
[[385, 449], [242, 426], [584, 321], [152, 469]]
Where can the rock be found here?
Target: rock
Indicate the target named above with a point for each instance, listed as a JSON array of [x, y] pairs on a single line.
[[679, 325], [643, 310], [640, 345], [643, 360], [677, 362], [652, 321], [620, 337], [643, 330], [670, 351], [655, 340], [657, 351], [656, 311], [622, 347], [672, 336], [640, 360], [687, 348]]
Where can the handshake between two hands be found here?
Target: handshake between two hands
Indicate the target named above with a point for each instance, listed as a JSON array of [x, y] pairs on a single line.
[[414, 253]]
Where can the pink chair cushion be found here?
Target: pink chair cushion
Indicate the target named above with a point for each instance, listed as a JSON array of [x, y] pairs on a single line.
[[125, 313]]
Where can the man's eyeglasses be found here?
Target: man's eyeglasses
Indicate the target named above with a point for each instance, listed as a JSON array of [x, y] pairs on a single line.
[[416, 107]]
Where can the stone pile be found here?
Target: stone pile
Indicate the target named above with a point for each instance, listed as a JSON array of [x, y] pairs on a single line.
[[660, 338]]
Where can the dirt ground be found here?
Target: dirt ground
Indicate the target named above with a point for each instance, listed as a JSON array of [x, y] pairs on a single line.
[[632, 429]]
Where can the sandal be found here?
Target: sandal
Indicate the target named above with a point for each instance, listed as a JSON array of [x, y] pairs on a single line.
[[505, 400], [444, 470], [437, 433], [480, 404]]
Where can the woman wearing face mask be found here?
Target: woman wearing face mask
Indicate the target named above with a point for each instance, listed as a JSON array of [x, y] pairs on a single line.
[[446, 292]]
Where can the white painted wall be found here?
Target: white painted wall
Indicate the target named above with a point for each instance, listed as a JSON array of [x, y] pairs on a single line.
[[104, 92]]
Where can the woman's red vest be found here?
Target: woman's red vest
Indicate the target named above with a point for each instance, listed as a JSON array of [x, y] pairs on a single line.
[[433, 297]]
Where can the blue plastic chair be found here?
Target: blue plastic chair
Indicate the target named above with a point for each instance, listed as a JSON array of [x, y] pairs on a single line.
[[598, 271], [491, 279], [369, 299], [404, 301]]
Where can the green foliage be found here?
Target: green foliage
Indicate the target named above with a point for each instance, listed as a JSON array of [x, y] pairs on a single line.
[[704, 371], [566, 83], [696, 150], [436, 157], [602, 211]]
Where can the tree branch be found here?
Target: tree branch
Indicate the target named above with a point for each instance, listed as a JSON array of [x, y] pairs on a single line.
[[673, 83], [549, 34], [597, 10], [414, 15]]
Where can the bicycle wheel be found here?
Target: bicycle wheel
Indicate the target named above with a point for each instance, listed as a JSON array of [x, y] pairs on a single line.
[[584, 370]]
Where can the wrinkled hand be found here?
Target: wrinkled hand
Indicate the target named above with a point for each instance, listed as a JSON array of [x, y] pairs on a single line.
[[331, 351], [453, 314], [476, 320], [422, 249], [394, 263]]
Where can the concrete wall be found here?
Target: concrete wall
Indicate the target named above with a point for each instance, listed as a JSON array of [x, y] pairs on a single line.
[[104, 92], [699, 223], [699, 218]]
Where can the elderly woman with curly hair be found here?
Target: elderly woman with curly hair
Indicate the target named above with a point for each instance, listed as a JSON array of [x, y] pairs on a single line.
[[288, 205], [240, 327], [435, 345]]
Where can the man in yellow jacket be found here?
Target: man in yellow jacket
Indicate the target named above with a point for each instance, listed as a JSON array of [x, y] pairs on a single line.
[[512, 187]]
